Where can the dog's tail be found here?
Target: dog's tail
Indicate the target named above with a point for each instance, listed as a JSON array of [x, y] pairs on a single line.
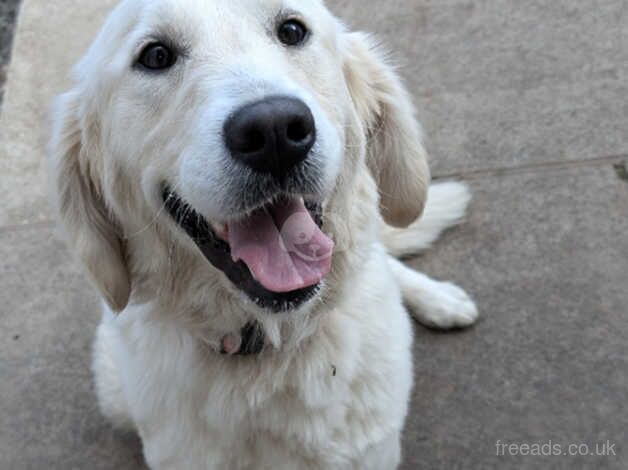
[[441, 305], [446, 207]]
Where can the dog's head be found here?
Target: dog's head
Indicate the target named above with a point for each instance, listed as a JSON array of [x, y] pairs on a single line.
[[235, 131]]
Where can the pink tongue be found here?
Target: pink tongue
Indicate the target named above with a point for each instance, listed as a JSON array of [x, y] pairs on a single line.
[[283, 247]]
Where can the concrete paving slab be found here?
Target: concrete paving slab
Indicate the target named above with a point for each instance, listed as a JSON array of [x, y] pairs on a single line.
[[546, 256], [505, 82], [542, 252], [48, 314], [50, 37]]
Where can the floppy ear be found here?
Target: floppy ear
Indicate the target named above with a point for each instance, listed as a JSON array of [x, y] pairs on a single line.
[[396, 155], [88, 224]]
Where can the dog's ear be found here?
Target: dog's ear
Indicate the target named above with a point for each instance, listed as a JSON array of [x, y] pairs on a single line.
[[89, 225], [396, 155]]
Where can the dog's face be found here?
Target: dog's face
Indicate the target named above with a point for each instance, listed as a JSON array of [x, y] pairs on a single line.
[[244, 120], [235, 112]]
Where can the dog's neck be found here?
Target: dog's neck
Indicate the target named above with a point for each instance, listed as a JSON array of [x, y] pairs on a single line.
[[248, 341]]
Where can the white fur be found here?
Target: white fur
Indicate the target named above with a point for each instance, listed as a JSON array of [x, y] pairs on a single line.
[[447, 205], [331, 388], [435, 304]]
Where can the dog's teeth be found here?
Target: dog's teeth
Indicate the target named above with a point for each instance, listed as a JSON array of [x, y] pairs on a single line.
[[253, 276], [221, 230]]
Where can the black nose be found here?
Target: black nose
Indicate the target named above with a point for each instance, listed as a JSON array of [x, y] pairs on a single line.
[[272, 135]]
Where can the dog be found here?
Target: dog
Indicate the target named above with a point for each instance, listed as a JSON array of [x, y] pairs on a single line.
[[238, 178]]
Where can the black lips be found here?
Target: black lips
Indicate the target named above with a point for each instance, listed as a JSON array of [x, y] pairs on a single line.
[[218, 253]]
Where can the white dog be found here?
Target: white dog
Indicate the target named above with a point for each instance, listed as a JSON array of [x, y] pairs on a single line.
[[229, 173]]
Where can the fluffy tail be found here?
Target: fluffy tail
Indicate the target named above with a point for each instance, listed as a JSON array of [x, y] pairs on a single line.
[[446, 206], [436, 304]]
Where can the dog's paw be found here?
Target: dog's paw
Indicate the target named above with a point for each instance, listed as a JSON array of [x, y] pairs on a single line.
[[449, 307]]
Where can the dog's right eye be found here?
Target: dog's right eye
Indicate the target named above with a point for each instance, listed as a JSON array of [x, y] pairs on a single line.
[[157, 56]]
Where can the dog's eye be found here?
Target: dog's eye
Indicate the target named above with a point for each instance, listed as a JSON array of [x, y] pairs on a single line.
[[156, 56], [292, 32]]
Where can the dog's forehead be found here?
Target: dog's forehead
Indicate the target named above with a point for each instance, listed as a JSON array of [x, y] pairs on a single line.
[[219, 25], [219, 13]]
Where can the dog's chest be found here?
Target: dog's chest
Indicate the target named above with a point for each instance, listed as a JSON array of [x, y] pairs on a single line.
[[236, 412], [322, 406]]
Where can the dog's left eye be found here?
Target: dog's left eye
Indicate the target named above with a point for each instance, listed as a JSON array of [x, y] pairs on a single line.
[[292, 32], [157, 56]]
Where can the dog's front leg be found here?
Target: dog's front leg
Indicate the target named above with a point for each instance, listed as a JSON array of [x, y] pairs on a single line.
[[435, 304]]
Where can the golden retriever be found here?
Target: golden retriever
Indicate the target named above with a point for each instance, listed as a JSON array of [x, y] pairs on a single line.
[[236, 177]]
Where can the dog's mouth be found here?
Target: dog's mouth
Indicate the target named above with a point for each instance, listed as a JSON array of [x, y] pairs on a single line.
[[277, 255]]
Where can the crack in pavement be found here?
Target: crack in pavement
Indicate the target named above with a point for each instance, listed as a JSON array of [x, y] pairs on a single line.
[[620, 160]]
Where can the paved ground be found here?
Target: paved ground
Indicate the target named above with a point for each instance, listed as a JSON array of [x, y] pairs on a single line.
[[524, 100]]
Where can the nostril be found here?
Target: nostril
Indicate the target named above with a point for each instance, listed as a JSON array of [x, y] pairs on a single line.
[[298, 131]]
